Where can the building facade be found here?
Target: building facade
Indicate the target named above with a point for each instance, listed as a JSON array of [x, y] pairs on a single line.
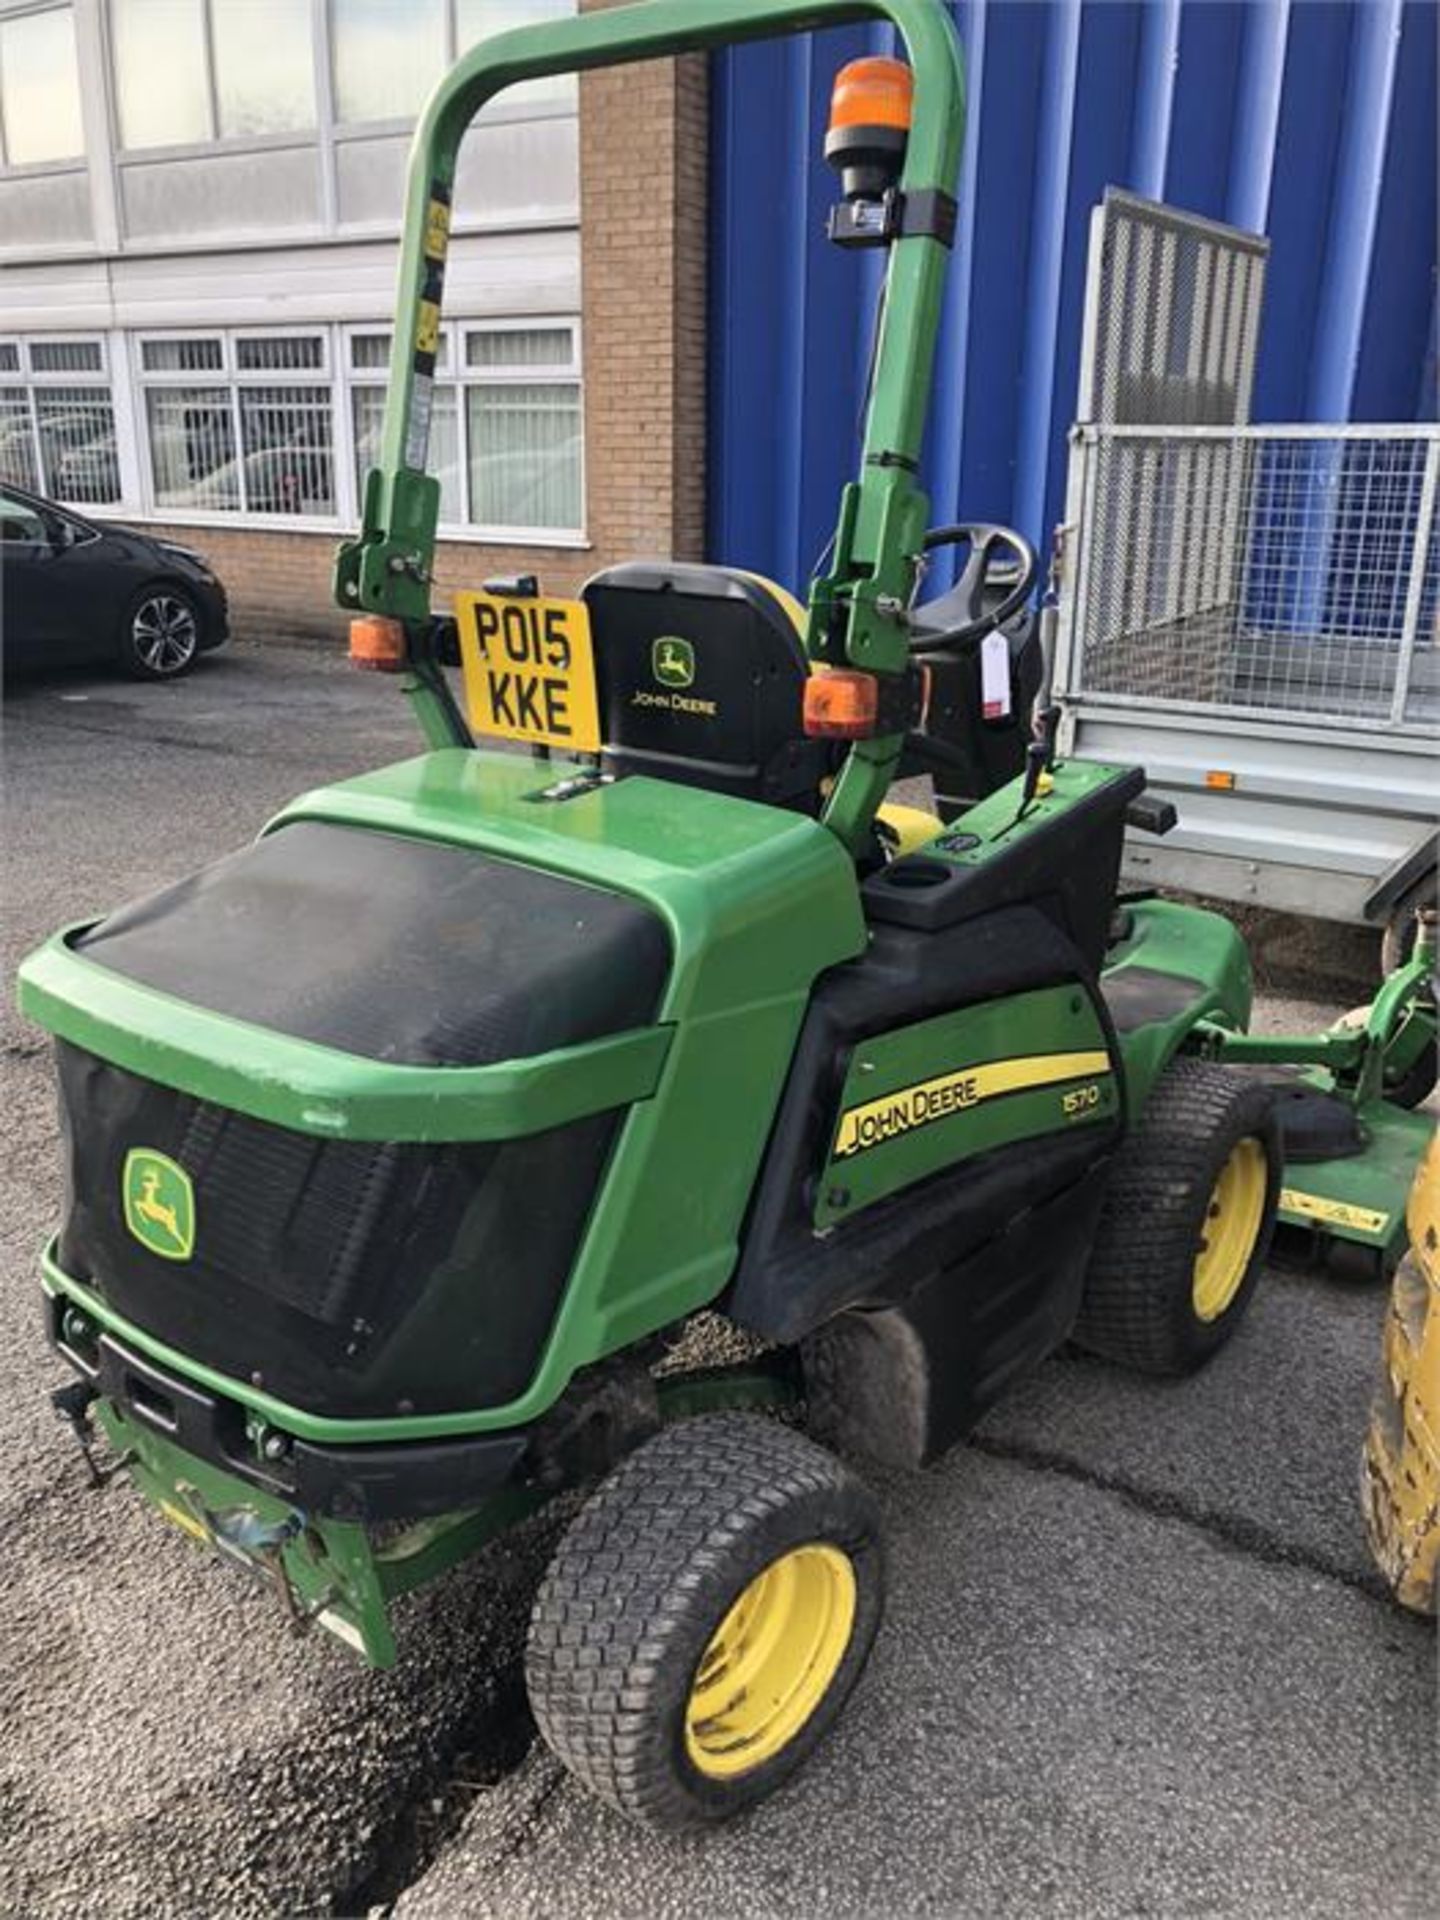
[[199, 203]]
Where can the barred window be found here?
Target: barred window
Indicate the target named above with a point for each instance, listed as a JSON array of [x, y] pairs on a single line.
[[57, 420], [506, 428], [256, 440]]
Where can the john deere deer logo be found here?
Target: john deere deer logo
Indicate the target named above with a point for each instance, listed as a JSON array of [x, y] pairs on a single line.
[[672, 661], [159, 1203]]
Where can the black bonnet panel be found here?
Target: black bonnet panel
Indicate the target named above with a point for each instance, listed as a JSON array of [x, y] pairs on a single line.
[[409, 951]]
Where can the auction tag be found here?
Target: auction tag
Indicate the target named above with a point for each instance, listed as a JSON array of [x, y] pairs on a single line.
[[529, 669], [995, 676]]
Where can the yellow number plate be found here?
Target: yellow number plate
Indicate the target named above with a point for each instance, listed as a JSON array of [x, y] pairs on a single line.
[[529, 670]]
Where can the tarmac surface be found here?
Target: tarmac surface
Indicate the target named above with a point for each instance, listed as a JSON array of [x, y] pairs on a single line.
[[1135, 1657]]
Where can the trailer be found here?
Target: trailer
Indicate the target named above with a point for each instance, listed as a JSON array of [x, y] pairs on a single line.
[[1248, 612]]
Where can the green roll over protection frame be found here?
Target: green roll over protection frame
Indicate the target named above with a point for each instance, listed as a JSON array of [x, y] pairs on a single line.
[[857, 609]]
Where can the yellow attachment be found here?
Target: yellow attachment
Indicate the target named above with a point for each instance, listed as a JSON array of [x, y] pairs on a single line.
[[1227, 1240], [905, 828], [771, 1661], [1400, 1483]]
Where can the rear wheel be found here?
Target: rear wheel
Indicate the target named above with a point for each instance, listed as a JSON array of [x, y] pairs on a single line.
[[705, 1618], [1186, 1223], [161, 636]]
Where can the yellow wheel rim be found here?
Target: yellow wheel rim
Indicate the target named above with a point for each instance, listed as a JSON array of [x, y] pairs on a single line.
[[771, 1660], [1232, 1223]]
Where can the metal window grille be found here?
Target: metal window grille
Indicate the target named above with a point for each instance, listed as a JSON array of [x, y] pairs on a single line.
[[287, 465], [78, 456], [1280, 573], [66, 356], [193, 455], [57, 433], [17, 440], [259, 440], [9, 356], [204, 355], [280, 353]]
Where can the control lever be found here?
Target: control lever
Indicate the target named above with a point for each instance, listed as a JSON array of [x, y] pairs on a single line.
[[1039, 756]]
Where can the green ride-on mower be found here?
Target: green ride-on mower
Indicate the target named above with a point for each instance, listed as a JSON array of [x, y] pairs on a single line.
[[404, 1145]]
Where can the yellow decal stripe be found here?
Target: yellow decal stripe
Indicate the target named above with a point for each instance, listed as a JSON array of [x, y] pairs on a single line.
[[1334, 1213], [910, 1107]]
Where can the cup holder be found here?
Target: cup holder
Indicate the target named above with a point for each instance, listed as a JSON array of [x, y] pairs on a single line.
[[915, 873]]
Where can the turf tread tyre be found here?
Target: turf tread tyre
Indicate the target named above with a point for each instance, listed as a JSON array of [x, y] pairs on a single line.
[[642, 1578], [1138, 1307]]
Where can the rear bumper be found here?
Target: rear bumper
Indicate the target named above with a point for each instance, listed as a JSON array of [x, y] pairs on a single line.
[[363, 1482]]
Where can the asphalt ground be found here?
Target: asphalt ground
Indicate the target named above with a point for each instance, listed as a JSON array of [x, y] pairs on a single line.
[[1135, 1658]]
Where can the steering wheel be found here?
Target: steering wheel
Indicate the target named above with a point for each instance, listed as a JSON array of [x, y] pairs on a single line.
[[961, 615]]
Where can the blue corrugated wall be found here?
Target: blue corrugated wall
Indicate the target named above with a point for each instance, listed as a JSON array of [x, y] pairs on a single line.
[[1312, 121]]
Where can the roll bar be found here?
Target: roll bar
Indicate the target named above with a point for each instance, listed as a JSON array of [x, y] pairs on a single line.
[[856, 613]]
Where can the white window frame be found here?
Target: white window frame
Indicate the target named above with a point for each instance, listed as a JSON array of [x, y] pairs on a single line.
[[497, 112], [36, 381], [125, 382], [287, 138], [458, 376], [70, 162], [231, 379]]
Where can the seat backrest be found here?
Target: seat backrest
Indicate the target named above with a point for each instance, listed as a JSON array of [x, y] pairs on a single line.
[[701, 676]]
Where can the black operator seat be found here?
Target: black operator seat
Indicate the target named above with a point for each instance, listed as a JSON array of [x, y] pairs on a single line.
[[701, 674]]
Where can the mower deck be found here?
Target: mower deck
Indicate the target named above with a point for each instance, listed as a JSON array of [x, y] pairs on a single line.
[[1361, 1198]]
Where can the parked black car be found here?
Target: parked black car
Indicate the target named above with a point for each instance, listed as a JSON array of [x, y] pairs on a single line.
[[74, 590]]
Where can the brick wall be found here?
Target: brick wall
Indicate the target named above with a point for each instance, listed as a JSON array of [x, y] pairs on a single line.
[[279, 583], [643, 181], [643, 185]]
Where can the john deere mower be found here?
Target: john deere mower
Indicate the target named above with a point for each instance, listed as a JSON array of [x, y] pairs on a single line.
[[403, 1145]]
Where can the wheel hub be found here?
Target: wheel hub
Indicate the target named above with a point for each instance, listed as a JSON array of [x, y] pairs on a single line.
[[771, 1661], [164, 630], [1232, 1222]]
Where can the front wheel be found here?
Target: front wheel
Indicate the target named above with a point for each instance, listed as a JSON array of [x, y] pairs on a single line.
[[705, 1618], [161, 635], [1186, 1222]]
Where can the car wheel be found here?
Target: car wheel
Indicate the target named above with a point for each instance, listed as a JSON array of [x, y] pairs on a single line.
[[161, 636]]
